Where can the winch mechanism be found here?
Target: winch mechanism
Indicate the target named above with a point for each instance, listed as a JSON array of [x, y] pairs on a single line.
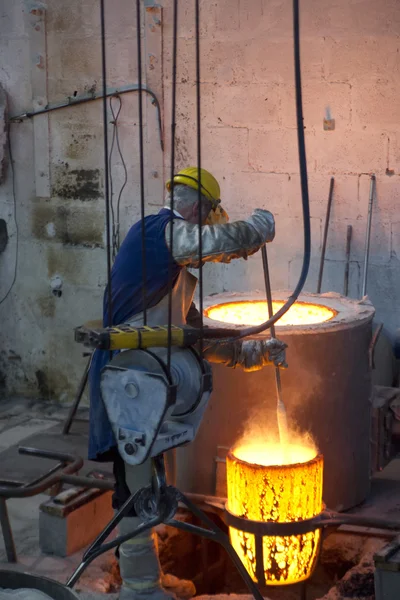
[[151, 409]]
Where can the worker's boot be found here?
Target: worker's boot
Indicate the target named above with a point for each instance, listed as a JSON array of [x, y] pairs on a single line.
[[139, 566]]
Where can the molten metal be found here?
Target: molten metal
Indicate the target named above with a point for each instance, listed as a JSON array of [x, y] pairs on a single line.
[[255, 312], [263, 487]]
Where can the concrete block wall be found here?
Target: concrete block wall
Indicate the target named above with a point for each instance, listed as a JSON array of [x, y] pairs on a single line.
[[350, 54], [49, 52]]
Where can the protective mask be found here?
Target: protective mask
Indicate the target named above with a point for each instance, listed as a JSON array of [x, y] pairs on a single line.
[[217, 216]]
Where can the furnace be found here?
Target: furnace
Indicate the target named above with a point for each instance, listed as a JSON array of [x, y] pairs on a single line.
[[326, 390]]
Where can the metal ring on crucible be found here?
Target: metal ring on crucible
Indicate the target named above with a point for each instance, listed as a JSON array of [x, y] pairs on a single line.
[[147, 508]]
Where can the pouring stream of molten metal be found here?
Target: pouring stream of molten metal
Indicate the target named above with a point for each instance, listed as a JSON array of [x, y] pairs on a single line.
[[253, 313]]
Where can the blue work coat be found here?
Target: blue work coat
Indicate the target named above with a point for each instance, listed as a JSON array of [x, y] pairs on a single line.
[[127, 301]]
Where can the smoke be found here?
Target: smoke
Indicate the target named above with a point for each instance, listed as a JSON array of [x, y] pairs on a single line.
[[259, 442]]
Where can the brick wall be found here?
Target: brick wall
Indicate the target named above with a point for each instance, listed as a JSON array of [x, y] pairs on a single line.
[[350, 62]]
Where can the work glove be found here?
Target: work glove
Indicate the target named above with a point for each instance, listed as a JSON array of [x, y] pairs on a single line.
[[264, 223], [254, 354]]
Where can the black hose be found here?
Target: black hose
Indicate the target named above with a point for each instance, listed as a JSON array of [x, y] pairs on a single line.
[[238, 334]]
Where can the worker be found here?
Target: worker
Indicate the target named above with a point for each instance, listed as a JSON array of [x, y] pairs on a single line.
[[221, 242]]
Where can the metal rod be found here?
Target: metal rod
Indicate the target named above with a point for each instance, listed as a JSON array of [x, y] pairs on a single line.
[[7, 532], [109, 546], [259, 548], [347, 268], [111, 526], [141, 162], [221, 538], [78, 398], [106, 166], [78, 100], [88, 482], [281, 410], [172, 176], [325, 238], [303, 590], [75, 463], [368, 235], [199, 189]]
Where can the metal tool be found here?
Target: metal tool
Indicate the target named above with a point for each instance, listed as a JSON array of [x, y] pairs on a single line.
[[126, 337], [347, 268], [325, 238], [280, 408], [158, 504], [368, 234]]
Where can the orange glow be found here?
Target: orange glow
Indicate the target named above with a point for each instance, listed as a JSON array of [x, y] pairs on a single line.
[[264, 490], [255, 312]]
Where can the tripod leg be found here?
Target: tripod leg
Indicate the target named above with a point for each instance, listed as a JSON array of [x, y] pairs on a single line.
[[99, 550], [221, 538], [111, 526], [78, 398]]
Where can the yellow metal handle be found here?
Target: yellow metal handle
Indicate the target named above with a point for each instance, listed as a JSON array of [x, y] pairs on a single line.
[[126, 337], [143, 337]]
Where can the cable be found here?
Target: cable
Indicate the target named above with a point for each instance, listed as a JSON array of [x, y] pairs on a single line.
[[72, 101], [199, 190], [220, 333], [123, 185], [115, 139], [173, 131], [113, 242], [15, 216], [106, 172], [141, 162]]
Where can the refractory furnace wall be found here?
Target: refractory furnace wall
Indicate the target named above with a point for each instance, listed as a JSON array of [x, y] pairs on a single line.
[[327, 393], [51, 51]]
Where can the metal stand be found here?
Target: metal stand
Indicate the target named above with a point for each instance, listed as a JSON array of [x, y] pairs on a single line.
[[77, 399], [7, 532], [158, 504]]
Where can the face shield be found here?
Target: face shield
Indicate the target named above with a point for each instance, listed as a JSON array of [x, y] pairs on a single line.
[[217, 216]]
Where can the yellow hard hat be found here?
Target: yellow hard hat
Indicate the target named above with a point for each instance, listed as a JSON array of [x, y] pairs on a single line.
[[190, 177]]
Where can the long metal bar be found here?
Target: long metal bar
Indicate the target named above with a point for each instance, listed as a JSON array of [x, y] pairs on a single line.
[[112, 91], [7, 532], [88, 482], [326, 518], [141, 160], [368, 234], [110, 527], [199, 190], [26, 491], [78, 398], [347, 268], [281, 410], [109, 546], [325, 238], [172, 176], [106, 169], [222, 539]]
